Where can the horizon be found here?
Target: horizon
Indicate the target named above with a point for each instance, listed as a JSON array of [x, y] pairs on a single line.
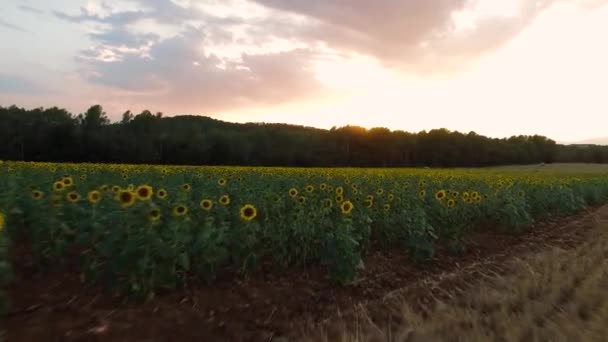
[[591, 141], [496, 68]]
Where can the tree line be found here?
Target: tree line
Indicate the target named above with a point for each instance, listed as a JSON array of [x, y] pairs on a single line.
[[54, 134]]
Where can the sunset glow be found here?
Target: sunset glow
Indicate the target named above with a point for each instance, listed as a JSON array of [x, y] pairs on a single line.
[[497, 67]]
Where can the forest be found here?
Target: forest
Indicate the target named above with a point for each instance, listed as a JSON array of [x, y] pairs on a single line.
[[54, 134]]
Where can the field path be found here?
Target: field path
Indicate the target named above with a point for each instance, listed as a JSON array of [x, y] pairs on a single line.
[[555, 294], [275, 304]]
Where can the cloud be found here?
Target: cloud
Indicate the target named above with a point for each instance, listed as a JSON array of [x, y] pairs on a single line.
[[179, 71], [6, 24], [12, 84], [26, 8], [416, 35]]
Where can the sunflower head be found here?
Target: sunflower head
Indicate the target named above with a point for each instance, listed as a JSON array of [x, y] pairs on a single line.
[[328, 203], [346, 207], [386, 207], [144, 192], [440, 195], [339, 191], [186, 187], [451, 203], [37, 194], [221, 181], [73, 197], [162, 194], [390, 197], [224, 200], [248, 212], [154, 215], [67, 181], [422, 193], [115, 189], [293, 192], [379, 192], [180, 210], [339, 198], [58, 186], [94, 196], [206, 204], [309, 188], [126, 198], [368, 203], [323, 187]]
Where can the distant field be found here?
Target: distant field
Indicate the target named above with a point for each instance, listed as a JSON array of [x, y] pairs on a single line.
[[555, 168]]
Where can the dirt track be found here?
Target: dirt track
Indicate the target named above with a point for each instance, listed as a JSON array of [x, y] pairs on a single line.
[[558, 294], [272, 304]]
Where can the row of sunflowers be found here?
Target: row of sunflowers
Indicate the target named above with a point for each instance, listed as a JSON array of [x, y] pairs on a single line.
[[140, 228]]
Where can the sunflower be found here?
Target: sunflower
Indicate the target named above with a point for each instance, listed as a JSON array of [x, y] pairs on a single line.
[[115, 189], [339, 191], [451, 203], [161, 194], [58, 186], [73, 196], [126, 198], [368, 203], [328, 203], [465, 195], [206, 204], [346, 207], [386, 207], [104, 188], [186, 187], [379, 192], [370, 197], [94, 196], [302, 199], [422, 193], [293, 192], [67, 181], [154, 215], [225, 200], [180, 210], [221, 182], [339, 198], [322, 186], [440, 195], [131, 187], [2, 221], [248, 212], [83, 177], [309, 188], [455, 194], [37, 194], [144, 192], [390, 197]]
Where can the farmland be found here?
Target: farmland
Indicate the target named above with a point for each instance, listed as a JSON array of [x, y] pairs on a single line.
[[144, 233]]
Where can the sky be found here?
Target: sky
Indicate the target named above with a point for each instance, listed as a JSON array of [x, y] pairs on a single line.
[[496, 67]]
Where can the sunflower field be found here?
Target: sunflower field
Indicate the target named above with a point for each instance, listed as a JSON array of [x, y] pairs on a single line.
[[137, 229]]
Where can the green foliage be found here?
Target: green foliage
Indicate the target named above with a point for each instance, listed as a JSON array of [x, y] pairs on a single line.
[[140, 229], [53, 134]]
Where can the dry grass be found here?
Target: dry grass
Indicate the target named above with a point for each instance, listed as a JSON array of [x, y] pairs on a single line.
[[555, 295]]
